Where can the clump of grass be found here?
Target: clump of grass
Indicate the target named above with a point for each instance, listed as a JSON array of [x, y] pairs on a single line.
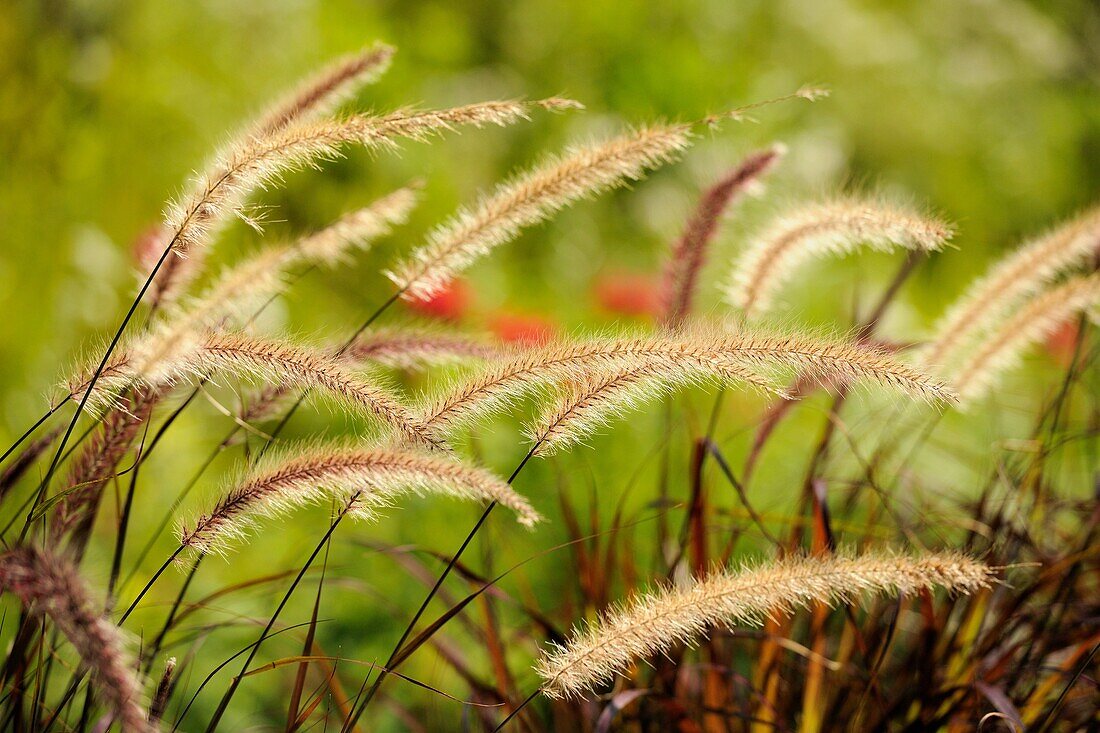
[[966, 654]]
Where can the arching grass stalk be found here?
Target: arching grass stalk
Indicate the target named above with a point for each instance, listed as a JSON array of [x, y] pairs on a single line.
[[30, 431]]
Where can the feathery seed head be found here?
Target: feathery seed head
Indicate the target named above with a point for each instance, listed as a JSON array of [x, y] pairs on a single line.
[[273, 362], [322, 93], [718, 353], [47, 584], [654, 623], [1037, 318], [419, 347], [97, 460], [259, 160], [689, 253], [245, 286], [373, 477], [279, 361], [359, 228], [585, 406], [822, 229], [530, 198], [112, 378], [1009, 281]]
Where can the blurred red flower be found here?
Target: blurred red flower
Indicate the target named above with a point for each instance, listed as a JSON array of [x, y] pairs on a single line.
[[1062, 343], [523, 330], [629, 294], [449, 304], [147, 247]]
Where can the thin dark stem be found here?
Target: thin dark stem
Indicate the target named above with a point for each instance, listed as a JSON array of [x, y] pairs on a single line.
[[530, 698], [65, 700], [171, 419], [713, 450], [33, 496], [159, 641], [1050, 716], [124, 523], [30, 430], [219, 668], [156, 576], [228, 696], [370, 320], [179, 500], [95, 378], [389, 665]]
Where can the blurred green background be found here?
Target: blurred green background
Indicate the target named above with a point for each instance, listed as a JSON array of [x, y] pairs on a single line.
[[986, 111]]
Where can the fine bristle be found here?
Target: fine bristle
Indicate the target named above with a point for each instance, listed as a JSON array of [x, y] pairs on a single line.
[[372, 478], [1008, 282], [653, 623], [257, 161], [530, 198], [823, 229], [720, 352], [1004, 347]]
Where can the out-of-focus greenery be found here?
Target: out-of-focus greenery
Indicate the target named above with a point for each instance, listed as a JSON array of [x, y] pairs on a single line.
[[986, 110]]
